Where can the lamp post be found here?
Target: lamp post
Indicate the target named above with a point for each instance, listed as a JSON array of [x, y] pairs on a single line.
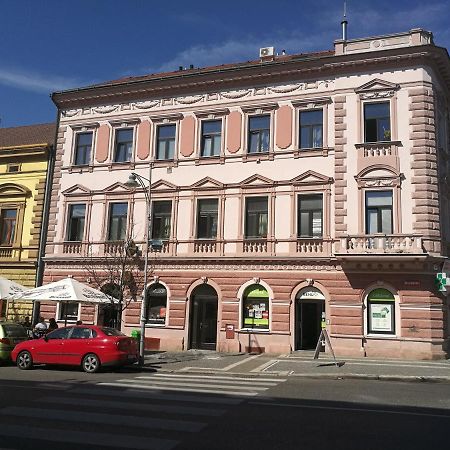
[[136, 180]]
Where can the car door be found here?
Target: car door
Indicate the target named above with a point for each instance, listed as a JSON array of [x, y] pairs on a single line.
[[51, 347], [78, 344]]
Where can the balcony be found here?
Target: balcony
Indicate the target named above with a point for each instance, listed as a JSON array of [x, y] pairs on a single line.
[[381, 244], [377, 153], [10, 253], [313, 247]]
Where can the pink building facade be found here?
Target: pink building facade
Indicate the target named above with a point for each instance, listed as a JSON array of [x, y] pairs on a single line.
[[285, 191]]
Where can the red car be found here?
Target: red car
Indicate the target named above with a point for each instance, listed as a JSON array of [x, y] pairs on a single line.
[[85, 345]]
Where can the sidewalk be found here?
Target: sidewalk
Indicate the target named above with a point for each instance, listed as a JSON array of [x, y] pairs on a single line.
[[298, 364]]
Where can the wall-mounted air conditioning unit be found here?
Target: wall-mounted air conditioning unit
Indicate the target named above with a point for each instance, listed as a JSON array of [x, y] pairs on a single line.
[[266, 51]]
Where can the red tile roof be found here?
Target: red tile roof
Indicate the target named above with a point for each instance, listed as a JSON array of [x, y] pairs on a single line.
[[28, 135]]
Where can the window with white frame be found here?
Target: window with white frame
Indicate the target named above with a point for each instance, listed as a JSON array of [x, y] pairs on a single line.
[[68, 311], [377, 122], [117, 221], [207, 216], [123, 145], [211, 138], [311, 129], [379, 212], [258, 134], [8, 225], [256, 217], [83, 148], [380, 312], [75, 222], [165, 141], [156, 304], [255, 308]]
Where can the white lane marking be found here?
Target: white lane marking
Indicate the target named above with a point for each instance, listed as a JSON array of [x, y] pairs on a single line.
[[223, 369], [265, 366], [120, 441], [155, 395], [134, 406], [206, 378], [344, 408], [200, 384], [170, 388], [103, 418]]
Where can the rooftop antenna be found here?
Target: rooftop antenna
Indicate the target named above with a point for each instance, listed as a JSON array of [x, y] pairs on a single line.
[[344, 23]]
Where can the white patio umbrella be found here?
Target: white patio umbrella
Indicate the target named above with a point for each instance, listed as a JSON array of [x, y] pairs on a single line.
[[65, 290], [8, 288]]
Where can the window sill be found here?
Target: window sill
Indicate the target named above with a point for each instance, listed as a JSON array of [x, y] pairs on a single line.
[[258, 156], [81, 168], [381, 336], [253, 331], [219, 159], [155, 325], [305, 152], [164, 163], [121, 164]]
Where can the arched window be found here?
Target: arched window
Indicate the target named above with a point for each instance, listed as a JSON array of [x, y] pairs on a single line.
[[380, 312], [255, 308], [156, 304]]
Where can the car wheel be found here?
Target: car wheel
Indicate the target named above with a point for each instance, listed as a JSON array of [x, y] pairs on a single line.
[[90, 363], [24, 360]]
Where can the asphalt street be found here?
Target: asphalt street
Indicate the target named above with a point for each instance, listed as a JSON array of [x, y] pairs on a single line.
[[156, 409]]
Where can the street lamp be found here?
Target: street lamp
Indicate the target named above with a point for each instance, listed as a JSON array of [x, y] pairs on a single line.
[[135, 180]]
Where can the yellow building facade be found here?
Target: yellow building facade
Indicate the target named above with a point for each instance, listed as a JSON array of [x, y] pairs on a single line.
[[24, 156]]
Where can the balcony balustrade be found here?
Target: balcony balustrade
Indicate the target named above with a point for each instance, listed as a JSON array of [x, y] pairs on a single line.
[[382, 244], [377, 149]]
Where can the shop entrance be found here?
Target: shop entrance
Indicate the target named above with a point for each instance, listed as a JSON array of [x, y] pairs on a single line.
[[309, 306], [203, 318]]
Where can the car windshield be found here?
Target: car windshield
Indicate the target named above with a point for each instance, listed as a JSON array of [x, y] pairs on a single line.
[[112, 332], [14, 330]]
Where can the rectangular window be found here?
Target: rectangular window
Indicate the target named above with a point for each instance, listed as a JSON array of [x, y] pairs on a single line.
[[211, 138], [75, 229], [13, 168], [117, 221], [207, 219], [8, 221], [258, 134], [124, 145], [68, 311], [83, 149], [256, 213], [162, 212], [377, 122], [379, 212], [311, 129], [165, 142], [310, 215]]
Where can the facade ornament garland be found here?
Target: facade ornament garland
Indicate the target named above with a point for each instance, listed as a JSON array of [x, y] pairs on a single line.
[[189, 100], [146, 105], [376, 94], [235, 94], [105, 109]]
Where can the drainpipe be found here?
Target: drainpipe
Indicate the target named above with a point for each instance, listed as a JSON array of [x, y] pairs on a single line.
[[51, 157]]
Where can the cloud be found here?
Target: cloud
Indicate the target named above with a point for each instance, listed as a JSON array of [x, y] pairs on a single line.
[[39, 83], [243, 50]]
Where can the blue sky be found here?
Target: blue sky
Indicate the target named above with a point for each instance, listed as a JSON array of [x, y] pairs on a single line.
[[49, 45]]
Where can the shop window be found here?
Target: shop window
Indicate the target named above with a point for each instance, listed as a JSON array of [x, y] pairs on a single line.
[[123, 147], [380, 312], [83, 149], [165, 142], [256, 214], [8, 224], [311, 129], [310, 215], [75, 222], [377, 122], [379, 212], [68, 311], [258, 134], [162, 212], [255, 308], [207, 218], [156, 304], [211, 138], [117, 226]]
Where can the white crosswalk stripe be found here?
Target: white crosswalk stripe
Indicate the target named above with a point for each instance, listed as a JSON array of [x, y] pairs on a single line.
[[154, 411], [207, 384]]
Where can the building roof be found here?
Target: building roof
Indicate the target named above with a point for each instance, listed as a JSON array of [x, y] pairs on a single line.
[[28, 135]]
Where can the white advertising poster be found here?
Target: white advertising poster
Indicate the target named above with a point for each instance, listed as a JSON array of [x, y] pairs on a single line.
[[381, 315]]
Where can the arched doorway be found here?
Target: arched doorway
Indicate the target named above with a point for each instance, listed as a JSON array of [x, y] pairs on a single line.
[[309, 306], [203, 318]]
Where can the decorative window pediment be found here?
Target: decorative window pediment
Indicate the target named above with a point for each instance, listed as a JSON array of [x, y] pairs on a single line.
[[162, 185], [116, 188], [206, 183], [76, 190], [377, 89], [378, 176], [311, 177], [14, 190], [256, 180]]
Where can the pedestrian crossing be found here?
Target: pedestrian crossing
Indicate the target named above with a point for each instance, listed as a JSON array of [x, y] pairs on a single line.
[[156, 411]]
